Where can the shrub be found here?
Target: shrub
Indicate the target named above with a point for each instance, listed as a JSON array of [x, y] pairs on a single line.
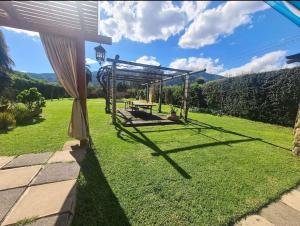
[[7, 120], [33, 99], [21, 113]]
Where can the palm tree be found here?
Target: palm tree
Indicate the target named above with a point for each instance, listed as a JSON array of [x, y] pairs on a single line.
[[5, 61]]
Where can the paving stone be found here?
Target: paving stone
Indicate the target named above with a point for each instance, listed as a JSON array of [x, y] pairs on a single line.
[[17, 177], [76, 155], [8, 199], [29, 160], [281, 214], [43, 200], [56, 220], [5, 159], [57, 172], [71, 143], [292, 199], [254, 220]]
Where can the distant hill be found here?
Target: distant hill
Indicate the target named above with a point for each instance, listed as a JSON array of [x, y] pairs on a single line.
[[16, 81], [51, 77], [206, 76]]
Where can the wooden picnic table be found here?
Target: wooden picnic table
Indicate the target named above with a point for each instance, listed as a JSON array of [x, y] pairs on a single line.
[[145, 105]]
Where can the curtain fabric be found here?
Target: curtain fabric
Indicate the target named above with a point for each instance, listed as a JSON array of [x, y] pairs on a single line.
[[61, 52]]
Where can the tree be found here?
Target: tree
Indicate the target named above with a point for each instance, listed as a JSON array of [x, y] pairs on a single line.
[[32, 98], [88, 74], [5, 61], [5, 65]]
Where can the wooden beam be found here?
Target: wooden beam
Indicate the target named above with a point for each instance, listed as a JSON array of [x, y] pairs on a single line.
[[141, 72], [185, 97], [81, 79], [177, 76], [124, 77], [160, 95], [114, 91], [147, 65]]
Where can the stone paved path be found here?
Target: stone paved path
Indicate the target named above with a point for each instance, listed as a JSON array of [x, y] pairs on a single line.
[[285, 212], [40, 189]]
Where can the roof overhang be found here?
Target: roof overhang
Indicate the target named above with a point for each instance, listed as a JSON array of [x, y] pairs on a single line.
[[76, 19]]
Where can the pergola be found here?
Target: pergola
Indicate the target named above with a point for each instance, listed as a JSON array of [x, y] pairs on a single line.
[[143, 74], [63, 26]]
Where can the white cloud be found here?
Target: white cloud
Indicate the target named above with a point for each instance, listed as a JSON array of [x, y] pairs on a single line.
[[25, 32], [148, 60], [196, 64], [210, 25], [146, 21], [90, 61], [270, 61]]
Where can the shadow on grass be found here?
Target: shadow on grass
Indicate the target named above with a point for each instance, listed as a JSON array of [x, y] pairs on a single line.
[[220, 129], [27, 123], [147, 142], [96, 202], [140, 137], [198, 146], [32, 121]]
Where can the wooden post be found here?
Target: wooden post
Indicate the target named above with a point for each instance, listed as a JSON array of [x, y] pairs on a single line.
[[108, 92], [160, 95], [296, 148], [185, 97], [81, 80], [114, 90], [147, 92]]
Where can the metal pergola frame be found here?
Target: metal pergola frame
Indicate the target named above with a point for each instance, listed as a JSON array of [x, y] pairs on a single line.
[[146, 75]]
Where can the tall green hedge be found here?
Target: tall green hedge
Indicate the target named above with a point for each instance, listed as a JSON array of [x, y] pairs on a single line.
[[269, 97]]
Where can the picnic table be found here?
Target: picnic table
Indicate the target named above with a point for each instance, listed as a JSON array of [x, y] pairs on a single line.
[[135, 105]]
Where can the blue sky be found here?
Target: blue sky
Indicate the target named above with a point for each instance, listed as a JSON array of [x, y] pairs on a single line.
[[224, 37]]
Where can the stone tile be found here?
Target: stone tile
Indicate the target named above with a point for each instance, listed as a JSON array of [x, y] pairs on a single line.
[[292, 199], [5, 159], [29, 160], [43, 200], [17, 177], [281, 214], [71, 143], [254, 220], [57, 172], [56, 220], [76, 155], [7, 199]]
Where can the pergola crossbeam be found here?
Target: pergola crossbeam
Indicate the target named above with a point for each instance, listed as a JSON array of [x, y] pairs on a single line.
[[147, 65]]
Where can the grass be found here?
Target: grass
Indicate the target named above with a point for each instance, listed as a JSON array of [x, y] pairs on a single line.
[[211, 171], [47, 134]]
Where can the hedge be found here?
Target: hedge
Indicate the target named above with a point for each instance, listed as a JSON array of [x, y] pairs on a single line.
[[271, 97]]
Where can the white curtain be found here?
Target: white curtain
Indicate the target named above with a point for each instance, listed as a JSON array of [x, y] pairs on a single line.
[[61, 52]]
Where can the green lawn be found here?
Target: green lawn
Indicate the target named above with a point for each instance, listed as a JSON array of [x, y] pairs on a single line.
[[211, 171]]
